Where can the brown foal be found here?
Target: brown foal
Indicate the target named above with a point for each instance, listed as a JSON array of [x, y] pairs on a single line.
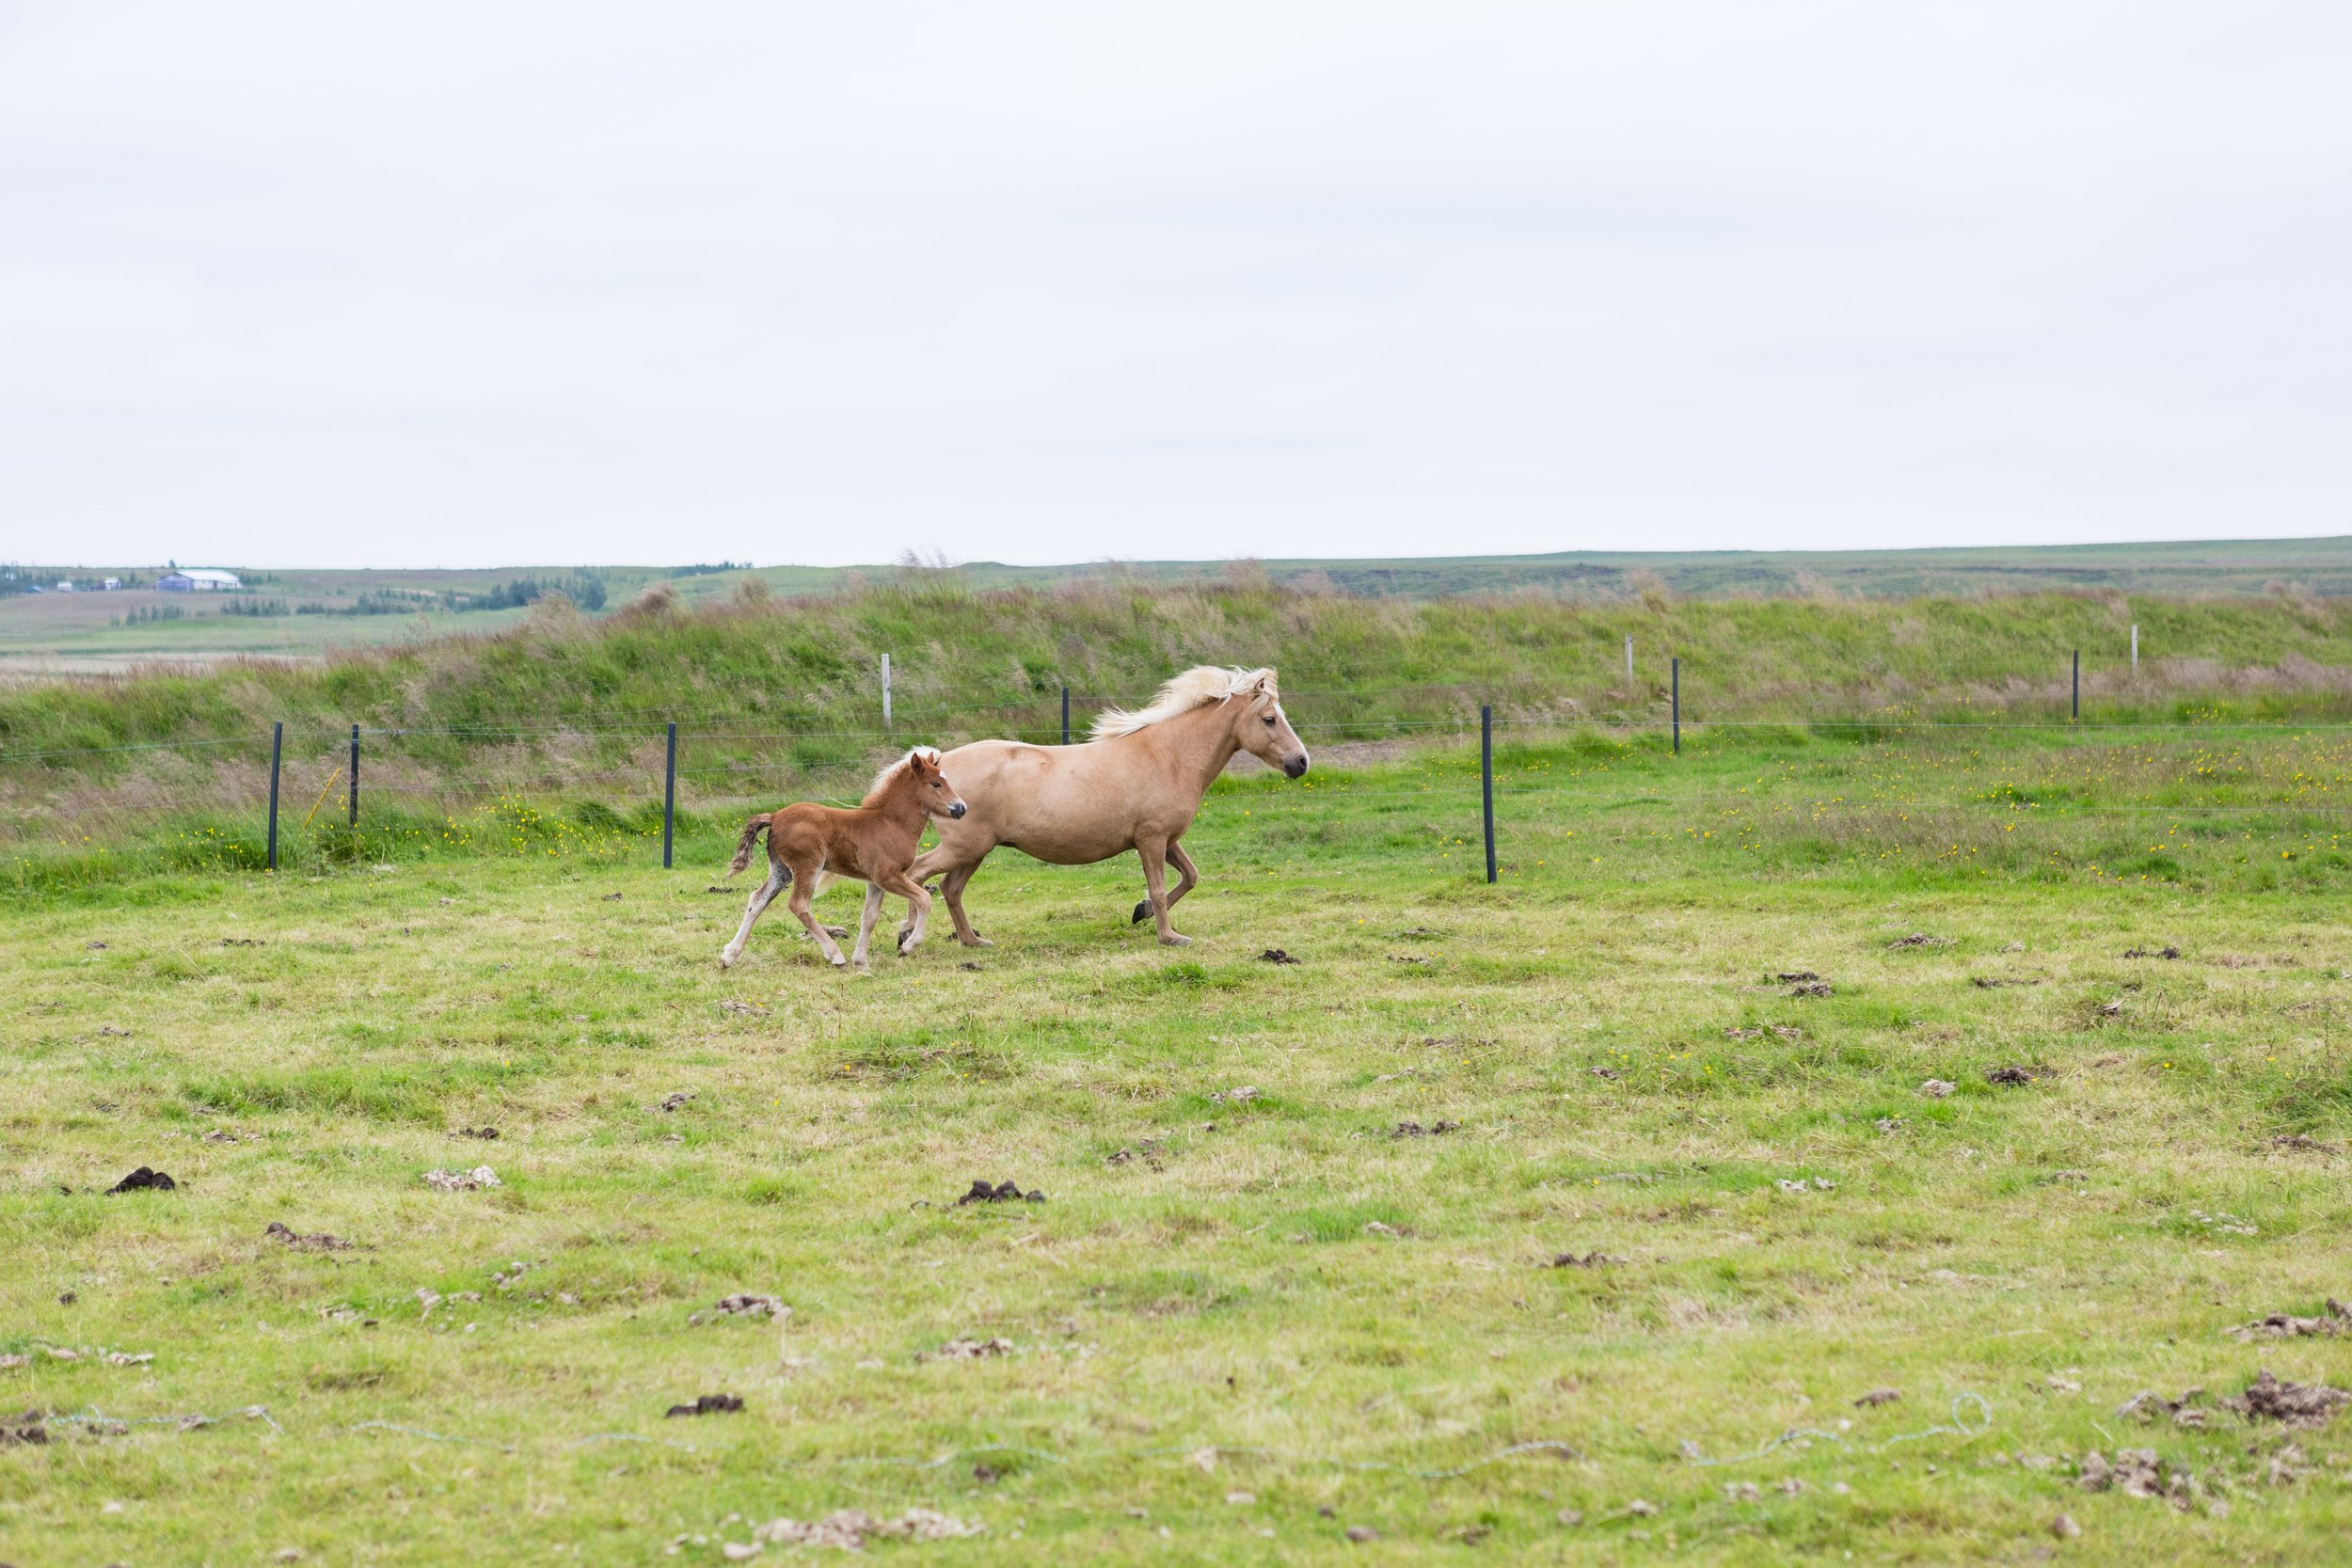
[[873, 842]]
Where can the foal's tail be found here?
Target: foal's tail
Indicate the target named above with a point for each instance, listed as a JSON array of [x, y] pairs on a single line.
[[752, 830]]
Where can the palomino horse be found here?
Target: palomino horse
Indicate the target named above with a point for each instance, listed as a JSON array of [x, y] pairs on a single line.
[[874, 841], [1136, 785]]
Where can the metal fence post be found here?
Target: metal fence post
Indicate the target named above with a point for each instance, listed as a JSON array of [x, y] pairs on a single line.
[[355, 775], [2078, 684], [1486, 779], [277, 748], [669, 794], [1065, 715], [1678, 706]]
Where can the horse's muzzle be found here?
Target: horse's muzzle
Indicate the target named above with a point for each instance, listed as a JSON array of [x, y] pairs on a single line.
[[1297, 767], [959, 808]]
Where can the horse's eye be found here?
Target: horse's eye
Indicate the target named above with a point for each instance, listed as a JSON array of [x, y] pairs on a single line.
[[1269, 718]]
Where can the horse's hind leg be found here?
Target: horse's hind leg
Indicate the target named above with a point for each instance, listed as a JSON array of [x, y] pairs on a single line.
[[866, 922], [763, 895]]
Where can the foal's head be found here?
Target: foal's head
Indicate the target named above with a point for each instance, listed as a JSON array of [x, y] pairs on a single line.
[[917, 776], [1265, 730]]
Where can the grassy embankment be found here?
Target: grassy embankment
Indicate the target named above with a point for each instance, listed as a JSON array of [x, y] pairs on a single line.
[[1236, 1317], [554, 725]]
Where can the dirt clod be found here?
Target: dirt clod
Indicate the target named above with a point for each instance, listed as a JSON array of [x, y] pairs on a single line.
[[1362, 1533], [2153, 953], [1590, 1260], [2302, 1140], [1811, 987], [610, 899], [143, 1179], [316, 1242], [2064, 1527], [1415, 1129], [748, 1306], [2335, 1320], [1916, 939], [1877, 1397], [750, 1008], [962, 1349], [2296, 1406], [848, 1530], [708, 1405], [462, 1180], [1937, 1088], [1003, 1192], [2009, 1075], [1276, 956], [26, 1428], [488, 1134], [678, 1101]]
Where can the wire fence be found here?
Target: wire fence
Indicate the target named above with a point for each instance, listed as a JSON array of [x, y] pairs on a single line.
[[621, 782]]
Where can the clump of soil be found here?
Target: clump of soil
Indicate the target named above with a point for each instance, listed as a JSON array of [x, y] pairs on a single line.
[[1877, 1397], [751, 1008], [2135, 1473], [2297, 1405], [316, 1242], [462, 1180], [2301, 1140], [1590, 1260], [746, 1306], [1003, 1192], [1415, 1129], [1811, 987], [2147, 1406], [678, 1101], [143, 1179], [850, 1529], [2153, 953], [1994, 982], [2010, 1075], [709, 1405], [1147, 1149], [970, 1349], [1916, 939], [1778, 1031], [2336, 1320], [488, 1134], [28, 1429], [1276, 956]]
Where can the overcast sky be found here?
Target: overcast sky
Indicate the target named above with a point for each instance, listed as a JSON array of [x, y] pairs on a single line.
[[407, 284]]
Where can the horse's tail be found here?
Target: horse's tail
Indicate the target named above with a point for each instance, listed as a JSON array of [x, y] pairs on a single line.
[[752, 830]]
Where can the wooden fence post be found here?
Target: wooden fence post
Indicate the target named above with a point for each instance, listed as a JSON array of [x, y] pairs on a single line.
[[1486, 779], [669, 794], [277, 748]]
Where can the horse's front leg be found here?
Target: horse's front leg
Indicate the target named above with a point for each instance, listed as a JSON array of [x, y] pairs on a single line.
[[1153, 853], [1188, 878], [918, 912], [866, 922]]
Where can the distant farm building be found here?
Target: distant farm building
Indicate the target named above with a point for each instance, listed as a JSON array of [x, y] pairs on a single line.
[[110, 584], [196, 580]]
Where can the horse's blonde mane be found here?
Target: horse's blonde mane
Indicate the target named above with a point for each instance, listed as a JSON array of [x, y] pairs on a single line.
[[1198, 687], [883, 779]]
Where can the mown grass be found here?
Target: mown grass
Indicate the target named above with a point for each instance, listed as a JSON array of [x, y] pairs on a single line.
[[1210, 1317]]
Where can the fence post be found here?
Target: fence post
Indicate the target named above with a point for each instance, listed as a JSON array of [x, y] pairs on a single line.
[[277, 748], [1678, 706], [669, 794], [2135, 649], [1065, 715], [885, 691], [1486, 779], [2079, 685], [355, 775], [1629, 662]]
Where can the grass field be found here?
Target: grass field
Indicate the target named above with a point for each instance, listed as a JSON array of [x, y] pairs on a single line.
[[76, 632], [1241, 1325]]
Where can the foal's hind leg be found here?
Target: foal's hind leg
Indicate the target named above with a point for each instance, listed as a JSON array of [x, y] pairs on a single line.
[[762, 896]]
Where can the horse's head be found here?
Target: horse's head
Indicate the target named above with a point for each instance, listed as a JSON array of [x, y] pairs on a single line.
[[1265, 730], [937, 796]]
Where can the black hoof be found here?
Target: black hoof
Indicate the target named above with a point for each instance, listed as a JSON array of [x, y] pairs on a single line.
[[1143, 913]]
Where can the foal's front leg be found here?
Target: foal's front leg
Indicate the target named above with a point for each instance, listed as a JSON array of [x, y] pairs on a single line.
[[918, 912], [866, 922]]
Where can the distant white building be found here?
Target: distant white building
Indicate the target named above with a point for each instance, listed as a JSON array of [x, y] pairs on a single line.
[[197, 579], [110, 584], [65, 585]]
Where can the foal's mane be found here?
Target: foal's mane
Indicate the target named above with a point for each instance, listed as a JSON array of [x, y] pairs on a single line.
[[1198, 687], [888, 778]]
